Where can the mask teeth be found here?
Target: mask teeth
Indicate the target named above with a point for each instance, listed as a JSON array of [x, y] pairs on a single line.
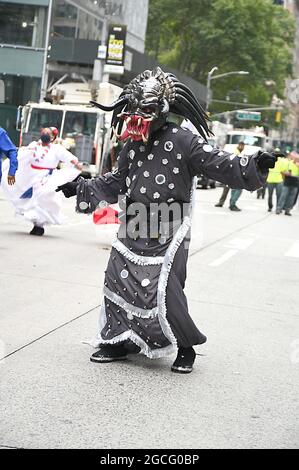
[[144, 138], [128, 119], [115, 133]]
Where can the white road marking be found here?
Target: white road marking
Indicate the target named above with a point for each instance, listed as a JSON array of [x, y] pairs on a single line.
[[235, 245], [240, 243], [294, 250], [223, 258]]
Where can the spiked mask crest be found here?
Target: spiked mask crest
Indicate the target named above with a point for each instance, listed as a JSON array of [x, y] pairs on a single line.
[[147, 100]]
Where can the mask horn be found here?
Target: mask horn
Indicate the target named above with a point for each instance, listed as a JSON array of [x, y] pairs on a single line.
[[121, 101]]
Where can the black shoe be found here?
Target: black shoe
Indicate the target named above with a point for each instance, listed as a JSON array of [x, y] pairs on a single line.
[[109, 353], [184, 361], [235, 208], [287, 213], [278, 211], [218, 205], [39, 231], [270, 210]]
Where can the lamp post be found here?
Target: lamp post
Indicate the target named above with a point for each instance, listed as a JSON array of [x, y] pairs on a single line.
[[209, 86], [221, 75], [44, 78]]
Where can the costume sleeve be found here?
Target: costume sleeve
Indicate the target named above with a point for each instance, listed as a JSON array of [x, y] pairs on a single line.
[[236, 172], [103, 188], [64, 155], [8, 148]]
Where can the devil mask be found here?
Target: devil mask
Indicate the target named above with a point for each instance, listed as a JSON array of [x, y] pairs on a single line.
[[146, 102]]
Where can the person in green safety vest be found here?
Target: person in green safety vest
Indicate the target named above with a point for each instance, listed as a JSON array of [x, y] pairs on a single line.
[[290, 184], [275, 181]]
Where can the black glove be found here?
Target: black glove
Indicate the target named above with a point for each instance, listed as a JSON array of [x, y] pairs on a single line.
[[68, 189], [266, 160]]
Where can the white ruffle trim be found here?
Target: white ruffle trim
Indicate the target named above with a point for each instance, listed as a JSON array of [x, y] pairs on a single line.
[[129, 308], [136, 259], [129, 335]]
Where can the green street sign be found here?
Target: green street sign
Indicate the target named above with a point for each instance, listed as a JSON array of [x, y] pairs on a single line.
[[248, 116]]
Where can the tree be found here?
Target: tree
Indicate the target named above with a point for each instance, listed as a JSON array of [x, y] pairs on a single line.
[[195, 35]]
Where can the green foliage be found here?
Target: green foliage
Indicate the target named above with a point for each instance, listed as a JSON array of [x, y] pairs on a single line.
[[195, 35]]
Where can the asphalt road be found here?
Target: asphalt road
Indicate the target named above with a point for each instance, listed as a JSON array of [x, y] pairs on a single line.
[[243, 290]]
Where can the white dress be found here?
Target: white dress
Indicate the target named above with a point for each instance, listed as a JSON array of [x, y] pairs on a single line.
[[33, 194]]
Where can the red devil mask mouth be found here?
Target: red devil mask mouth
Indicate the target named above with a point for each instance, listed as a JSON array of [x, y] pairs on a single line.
[[138, 128]]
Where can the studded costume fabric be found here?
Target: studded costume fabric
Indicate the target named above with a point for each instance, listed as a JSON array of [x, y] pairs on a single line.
[[144, 302]]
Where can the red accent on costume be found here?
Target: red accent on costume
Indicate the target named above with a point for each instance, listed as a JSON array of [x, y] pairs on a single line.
[[106, 215], [40, 168]]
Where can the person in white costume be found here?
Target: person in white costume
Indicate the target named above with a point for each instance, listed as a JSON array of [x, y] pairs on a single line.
[[34, 196]]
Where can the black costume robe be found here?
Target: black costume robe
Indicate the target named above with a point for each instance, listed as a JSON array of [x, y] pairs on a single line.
[[144, 303]]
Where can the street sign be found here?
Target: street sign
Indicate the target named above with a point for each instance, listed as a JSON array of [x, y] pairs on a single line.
[[248, 116], [102, 51], [114, 69]]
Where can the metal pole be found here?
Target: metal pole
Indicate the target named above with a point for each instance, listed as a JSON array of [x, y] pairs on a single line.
[[104, 77], [208, 91], [98, 71], [234, 72], [209, 87], [44, 79]]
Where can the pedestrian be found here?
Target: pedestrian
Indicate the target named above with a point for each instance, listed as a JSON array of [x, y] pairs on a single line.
[[275, 181], [260, 193], [144, 308], [235, 193], [34, 196], [290, 185], [295, 156], [8, 149]]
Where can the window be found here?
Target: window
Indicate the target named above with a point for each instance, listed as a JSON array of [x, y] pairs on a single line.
[[78, 123], [22, 25], [65, 10], [20, 90], [44, 118]]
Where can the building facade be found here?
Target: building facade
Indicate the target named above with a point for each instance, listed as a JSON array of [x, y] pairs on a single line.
[[290, 129], [22, 38]]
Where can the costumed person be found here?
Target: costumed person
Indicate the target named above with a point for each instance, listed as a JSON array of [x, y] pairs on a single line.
[[34, 196], [8, 149], [144, 307]]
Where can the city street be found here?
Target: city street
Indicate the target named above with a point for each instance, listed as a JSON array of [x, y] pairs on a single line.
[[242, 289]]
